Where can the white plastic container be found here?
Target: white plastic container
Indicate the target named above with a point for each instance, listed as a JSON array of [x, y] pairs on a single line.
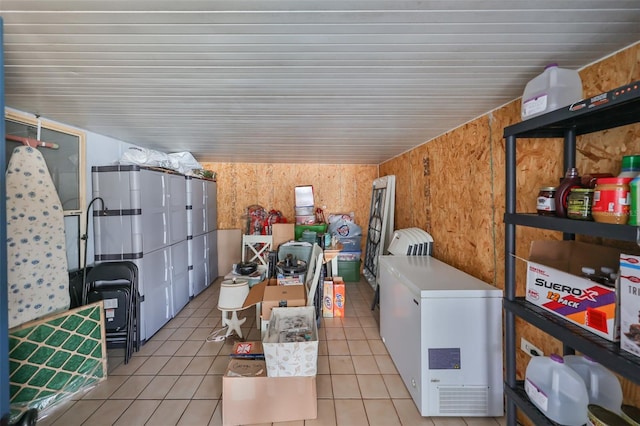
[[553, 89], [603, 386], [557, 390]]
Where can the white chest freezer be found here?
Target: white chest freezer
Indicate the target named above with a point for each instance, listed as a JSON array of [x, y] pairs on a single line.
[[443, 330]]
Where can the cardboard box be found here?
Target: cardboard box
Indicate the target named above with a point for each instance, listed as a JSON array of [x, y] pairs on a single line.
[[554, 283], [291, 342], [339, 297], [256, 293], [246, 368], [229, 249], [630, 303], [281, 233], [290, 280], [327, 299], [282, 296], [260, 399]]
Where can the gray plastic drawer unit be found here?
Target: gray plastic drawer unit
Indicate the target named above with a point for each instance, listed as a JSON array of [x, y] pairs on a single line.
[[144, 219]]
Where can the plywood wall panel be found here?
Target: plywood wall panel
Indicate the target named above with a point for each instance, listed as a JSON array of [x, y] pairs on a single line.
[[226, 200], [453, 186], [420, 188], [265, 191], [342, 188], [329, 187], [363, 178], [470, 235], [401, 168], [611, 72]]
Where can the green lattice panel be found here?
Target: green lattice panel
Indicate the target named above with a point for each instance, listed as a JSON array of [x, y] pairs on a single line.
[[52, 358]]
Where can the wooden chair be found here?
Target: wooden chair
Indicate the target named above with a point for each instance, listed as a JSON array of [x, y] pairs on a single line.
[[256, 248]]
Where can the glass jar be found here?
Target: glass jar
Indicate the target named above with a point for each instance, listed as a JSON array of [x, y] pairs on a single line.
[[611, 200], [546, 203], [579, 204]]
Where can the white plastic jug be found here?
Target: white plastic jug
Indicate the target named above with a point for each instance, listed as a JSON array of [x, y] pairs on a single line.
[[603, 386], [557, 390], [553, 89]]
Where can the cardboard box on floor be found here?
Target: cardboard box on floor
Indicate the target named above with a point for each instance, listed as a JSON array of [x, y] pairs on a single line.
[[327, 299], [270, 294], [554, 283], [297, 353], [256, 293], [282, 296], [261, 399], [256, 296]]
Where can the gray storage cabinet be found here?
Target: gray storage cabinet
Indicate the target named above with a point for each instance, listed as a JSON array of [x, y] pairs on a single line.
[[144, 219], [201, 233]]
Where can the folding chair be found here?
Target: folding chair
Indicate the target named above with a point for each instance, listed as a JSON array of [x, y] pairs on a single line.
[[116, 284]]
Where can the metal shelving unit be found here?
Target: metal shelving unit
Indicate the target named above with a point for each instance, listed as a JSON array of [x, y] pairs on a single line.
[[616, 108]]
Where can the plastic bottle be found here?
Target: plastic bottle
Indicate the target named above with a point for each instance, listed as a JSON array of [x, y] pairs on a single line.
[[557, 390], [551, 90], [634, 192], [590, 274], [571, 180], [630, 166], [603, 386], [608, 275]]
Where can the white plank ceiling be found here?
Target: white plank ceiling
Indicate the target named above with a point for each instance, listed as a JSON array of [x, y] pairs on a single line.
[[303, 81]]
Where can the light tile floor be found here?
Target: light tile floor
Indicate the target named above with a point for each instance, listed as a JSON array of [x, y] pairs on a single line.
[[176, 377]]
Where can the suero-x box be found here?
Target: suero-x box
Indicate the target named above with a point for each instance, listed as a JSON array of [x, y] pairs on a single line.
[[554, 283]]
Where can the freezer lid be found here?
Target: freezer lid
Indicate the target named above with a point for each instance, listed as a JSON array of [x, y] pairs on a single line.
[[430, 278]]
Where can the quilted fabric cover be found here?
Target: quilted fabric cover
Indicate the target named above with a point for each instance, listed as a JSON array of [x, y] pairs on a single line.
[[36, 253]]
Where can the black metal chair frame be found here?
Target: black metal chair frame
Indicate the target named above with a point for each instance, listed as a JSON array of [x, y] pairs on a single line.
[[113, 276]]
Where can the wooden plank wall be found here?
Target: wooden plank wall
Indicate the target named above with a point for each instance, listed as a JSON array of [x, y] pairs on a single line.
[[457, 184]]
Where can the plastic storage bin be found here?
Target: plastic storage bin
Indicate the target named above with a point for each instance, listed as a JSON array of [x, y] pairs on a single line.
[[603, 386], [351, 243], [557, 390], [349, 270], [319, 228], [551, 90], [308, 236], [299, 249], [306, 220], [349, 255]]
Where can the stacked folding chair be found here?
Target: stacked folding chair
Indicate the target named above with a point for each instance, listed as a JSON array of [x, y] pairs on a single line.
[[116, 284]]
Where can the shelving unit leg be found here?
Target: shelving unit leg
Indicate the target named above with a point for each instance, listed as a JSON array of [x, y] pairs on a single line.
[[509, 275]]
